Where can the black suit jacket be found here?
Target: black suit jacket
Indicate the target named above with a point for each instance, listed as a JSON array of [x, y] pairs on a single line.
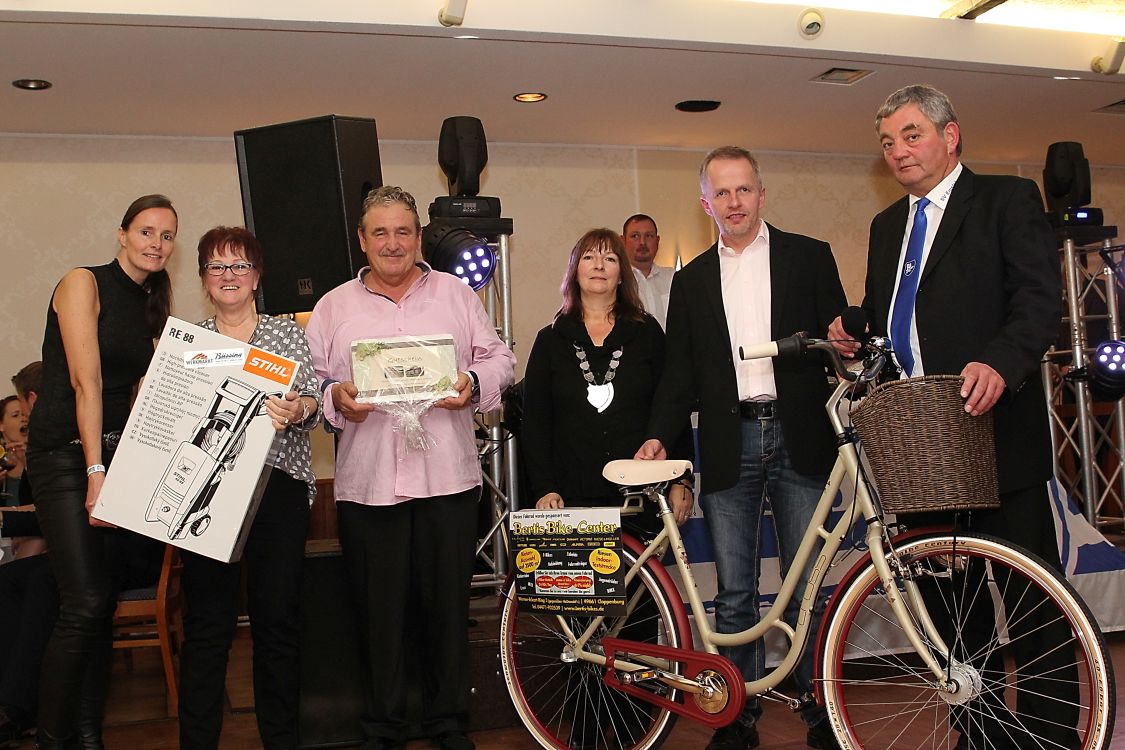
[[806, 295], [989, 293]]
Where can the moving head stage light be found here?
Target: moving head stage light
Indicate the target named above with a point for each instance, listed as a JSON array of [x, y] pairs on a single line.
[[1066, 181], [464, 225], [1067, 188]]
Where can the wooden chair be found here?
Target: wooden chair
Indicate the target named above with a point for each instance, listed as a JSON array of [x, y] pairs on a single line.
[[151, 617]]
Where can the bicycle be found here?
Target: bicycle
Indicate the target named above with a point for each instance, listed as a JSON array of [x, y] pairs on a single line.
[[895, 657]]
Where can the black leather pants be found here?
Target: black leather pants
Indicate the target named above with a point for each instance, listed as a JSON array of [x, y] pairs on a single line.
[[79, 561]]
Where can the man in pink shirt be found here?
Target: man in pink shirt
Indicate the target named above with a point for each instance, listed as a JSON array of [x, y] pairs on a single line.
[[407, 515]]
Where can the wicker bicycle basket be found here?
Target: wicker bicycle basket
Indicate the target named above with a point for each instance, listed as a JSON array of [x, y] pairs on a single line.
[[925, 451]]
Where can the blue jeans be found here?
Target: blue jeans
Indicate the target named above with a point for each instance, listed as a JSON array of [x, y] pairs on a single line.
[[734, 517]]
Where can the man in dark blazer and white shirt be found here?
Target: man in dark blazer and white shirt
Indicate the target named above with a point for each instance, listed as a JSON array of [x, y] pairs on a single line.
[[987, 307], [763, 431]]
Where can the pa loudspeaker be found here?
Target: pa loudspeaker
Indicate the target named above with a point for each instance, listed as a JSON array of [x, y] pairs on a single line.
[[303, 185]]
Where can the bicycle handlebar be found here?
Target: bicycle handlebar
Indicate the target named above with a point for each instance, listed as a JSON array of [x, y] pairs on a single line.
[[799, 343]]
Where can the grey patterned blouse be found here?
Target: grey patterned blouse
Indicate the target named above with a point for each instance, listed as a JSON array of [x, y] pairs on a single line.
[[284, 337]]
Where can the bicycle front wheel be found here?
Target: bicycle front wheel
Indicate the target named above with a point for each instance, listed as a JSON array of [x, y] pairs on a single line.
[[563, 702], [1029, 666]]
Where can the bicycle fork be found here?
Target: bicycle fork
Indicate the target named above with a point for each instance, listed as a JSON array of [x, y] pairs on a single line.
[[959, 682]]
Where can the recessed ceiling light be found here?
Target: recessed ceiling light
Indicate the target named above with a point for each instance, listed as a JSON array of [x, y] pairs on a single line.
[[530, 97], [32, 84], [698, 105], [1067, 78], [466, 36]]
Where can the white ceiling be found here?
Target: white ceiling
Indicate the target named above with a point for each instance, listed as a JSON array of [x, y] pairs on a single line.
[[613, 69]]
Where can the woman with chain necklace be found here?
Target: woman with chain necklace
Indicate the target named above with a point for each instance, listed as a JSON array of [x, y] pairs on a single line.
[[590, 380], [588, 389]]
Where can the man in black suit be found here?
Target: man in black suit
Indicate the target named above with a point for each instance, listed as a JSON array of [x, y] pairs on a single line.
[[986, 307], [763, 431]]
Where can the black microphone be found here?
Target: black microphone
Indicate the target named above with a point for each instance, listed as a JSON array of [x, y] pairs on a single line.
[[855, 322]]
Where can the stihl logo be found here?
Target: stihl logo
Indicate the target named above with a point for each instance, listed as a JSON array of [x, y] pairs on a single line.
[[269, 366]]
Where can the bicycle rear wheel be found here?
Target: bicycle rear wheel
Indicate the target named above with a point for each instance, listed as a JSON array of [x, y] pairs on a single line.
[[564, 703], [1029, 662]]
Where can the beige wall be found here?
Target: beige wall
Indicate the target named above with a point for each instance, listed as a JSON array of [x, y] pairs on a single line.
[[62, 197]]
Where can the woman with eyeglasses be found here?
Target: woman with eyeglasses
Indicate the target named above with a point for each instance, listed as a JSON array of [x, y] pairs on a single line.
[[230, 265], [97, 345]]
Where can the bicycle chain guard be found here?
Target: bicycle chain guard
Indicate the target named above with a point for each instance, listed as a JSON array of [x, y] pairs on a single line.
[[717, 711]]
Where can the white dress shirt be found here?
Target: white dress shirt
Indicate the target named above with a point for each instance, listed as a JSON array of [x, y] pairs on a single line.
[[746, 299], [654, 290], [939, 199]]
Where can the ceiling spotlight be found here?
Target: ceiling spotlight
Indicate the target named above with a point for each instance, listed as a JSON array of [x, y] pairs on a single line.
[[810, 23], [32, 84], [530, 97], [452, 13], [1109, 63], [698, 105], [459, 252]]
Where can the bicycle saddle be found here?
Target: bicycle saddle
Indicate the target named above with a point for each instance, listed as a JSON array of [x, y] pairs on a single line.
[[630, 472]]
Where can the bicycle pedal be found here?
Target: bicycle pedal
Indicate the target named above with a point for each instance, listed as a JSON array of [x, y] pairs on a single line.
[[638, 675]]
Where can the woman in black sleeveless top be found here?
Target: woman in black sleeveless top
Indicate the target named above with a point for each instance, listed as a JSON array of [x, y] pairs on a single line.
[[97, 345]]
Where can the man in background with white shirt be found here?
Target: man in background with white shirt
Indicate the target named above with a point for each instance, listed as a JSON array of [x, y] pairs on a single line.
[[763, 431], [642, 243]]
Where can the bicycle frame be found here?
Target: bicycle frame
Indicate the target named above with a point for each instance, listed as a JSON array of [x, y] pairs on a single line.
[[908, 610]]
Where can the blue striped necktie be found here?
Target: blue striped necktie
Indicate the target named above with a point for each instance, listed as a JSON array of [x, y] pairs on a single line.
[[903, 311]]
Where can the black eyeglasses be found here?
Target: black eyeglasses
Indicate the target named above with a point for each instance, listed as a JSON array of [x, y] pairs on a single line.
[[238, 269]]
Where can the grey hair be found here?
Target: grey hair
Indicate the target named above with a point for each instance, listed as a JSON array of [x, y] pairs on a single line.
[[934, 105], [386, 196], [730, 152]]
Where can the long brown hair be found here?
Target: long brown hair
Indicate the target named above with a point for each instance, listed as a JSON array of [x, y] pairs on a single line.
[[158, 304], [628, 304]]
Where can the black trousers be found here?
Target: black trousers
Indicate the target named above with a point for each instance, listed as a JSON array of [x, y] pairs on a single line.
[[272, 559], [410, 566], [80, 563], [90, 565], [1047, 703], [29, 604]]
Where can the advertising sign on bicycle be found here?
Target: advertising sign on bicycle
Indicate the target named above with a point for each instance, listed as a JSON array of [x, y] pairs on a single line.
[[569, 561]]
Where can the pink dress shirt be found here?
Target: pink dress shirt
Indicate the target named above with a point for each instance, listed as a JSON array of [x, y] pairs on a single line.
[[374, 466]]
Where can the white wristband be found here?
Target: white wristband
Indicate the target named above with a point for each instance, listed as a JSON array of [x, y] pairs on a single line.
[[92, 470]]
